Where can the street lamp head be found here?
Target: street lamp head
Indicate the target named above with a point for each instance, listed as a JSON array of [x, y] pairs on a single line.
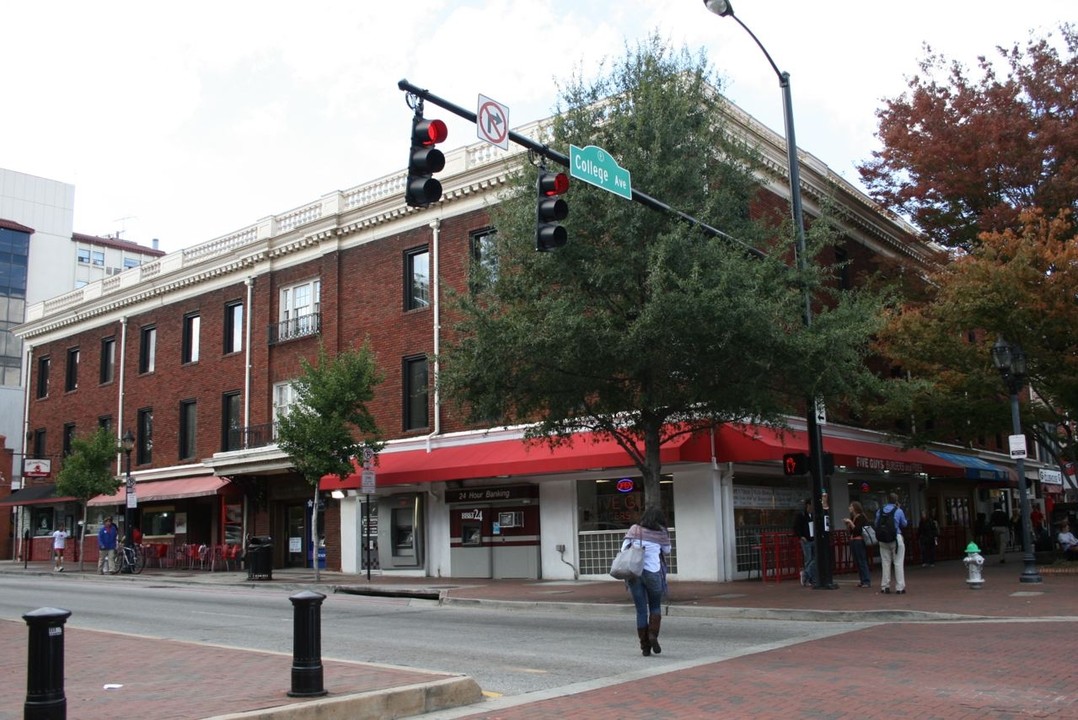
[[127, 442], [720, 7]]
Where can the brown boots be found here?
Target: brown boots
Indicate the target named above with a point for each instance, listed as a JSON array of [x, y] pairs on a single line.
[[649, 636], [654, 621], [645, 642]]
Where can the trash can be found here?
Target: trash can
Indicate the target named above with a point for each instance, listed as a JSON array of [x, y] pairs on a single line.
[[259, 558]]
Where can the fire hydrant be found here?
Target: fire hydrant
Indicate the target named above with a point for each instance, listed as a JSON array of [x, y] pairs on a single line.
[[974, 561]]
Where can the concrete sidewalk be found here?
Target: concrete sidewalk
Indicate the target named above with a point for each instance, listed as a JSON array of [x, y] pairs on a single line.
[[186, 681]]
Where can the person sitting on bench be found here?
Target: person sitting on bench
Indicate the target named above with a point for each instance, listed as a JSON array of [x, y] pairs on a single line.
[[1067, 542]]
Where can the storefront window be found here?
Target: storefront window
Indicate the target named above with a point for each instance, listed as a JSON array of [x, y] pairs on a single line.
[[159, 522], [616, 503]]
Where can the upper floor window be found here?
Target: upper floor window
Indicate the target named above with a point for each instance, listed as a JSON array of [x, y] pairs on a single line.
[[484, 270], [416, 413], [39, 443], [69, 437], [105, 422], [233, 327], [231, 422], [191, 325], [188, 428], [108, 360], [416, 279], [44, 364], [130, 262], [71, 378], [84, 255], [284, 397], [300, 308], [144, 440], [97, 257], [147, 351]]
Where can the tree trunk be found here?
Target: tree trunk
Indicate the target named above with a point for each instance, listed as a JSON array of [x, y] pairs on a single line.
[[653, 464]]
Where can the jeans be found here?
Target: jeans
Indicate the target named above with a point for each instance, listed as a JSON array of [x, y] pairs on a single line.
[[860, 556], [808, 550], [647, 592]]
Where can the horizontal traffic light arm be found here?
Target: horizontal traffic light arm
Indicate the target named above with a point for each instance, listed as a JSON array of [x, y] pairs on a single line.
[[563, 160]]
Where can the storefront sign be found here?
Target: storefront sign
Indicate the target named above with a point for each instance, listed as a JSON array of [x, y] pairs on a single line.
[[879, 464], [471, 495], [1050, 477], [749, 496]]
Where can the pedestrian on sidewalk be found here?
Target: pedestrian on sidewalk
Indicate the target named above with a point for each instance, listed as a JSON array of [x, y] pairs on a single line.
[[106, 546], [59, 543], [803, 529], [647, 590], [854, 524], [890, 521], [928, 533], [1001, 528]]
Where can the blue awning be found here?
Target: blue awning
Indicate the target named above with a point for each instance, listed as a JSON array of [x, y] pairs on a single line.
[[976, 468]]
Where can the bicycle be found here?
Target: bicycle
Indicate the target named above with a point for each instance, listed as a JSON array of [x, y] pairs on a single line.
[[128, 559]]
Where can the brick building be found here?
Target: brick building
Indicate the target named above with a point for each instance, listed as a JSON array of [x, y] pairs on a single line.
[[194, 352]]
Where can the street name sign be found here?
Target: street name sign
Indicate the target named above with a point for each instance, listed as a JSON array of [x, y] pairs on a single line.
[[594, 166]]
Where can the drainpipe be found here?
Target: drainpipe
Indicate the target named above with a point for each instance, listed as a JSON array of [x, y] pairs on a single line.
[[120, 389], [249, 282], [436, 227]]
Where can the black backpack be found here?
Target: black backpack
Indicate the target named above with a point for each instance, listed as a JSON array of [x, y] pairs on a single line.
[[885, 527]]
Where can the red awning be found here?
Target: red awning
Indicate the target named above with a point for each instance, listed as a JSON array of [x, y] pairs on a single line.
[[505, 457], [165, 490], [749, 443]]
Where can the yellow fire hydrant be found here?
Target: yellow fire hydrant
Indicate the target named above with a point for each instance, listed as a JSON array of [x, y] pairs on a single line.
[[974, 561]]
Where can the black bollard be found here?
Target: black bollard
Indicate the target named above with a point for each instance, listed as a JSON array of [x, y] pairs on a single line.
[[307, 644], [45, 699]]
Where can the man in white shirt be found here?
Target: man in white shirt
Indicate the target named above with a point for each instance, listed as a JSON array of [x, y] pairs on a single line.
[[1067, 541]]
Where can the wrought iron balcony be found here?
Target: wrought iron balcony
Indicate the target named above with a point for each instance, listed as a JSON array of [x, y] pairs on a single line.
[[294, 328], [252, 436]]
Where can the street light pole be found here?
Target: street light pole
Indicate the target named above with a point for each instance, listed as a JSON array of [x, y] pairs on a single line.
[[822, 534], [127, 442], [1011, 363]]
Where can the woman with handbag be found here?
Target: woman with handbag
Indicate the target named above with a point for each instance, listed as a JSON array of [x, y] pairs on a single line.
[[855, 525], [647, 589]]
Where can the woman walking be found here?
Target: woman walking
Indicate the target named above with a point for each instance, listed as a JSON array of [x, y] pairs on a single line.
[[854, 524], [647, 590]]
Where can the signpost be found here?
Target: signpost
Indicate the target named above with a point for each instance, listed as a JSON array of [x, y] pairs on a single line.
[[368, 484], [594, 165]]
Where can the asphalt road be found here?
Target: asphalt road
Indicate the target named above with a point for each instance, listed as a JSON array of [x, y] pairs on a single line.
[[508, 652]]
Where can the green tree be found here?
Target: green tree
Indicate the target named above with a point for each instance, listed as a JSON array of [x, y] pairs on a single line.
[[330, 422], [87, 473], [642, 328]]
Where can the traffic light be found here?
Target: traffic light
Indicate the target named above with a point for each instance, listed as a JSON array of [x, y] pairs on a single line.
[[549, 210], [795, 464], [423, 161]]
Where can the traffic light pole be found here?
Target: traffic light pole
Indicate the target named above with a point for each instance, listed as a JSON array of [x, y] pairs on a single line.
[[563, 160]]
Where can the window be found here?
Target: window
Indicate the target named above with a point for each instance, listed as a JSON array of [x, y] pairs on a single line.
[[69, 436], [416, 279], [98, 258], [108, 360], [71, 377], [147, 350], [484, 259], [130, 262], [300, 307], [144, 440], [842, 261], [233, 327], [105, 422], [188, 428], [231, 429], [43, 366], [415, 393], [191, 325], [39, 443], [84, 255], [284, 396]]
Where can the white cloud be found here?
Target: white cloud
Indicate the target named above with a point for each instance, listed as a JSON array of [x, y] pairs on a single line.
[[186, 122]]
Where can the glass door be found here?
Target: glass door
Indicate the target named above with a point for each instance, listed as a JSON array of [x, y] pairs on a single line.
[[296, 524]]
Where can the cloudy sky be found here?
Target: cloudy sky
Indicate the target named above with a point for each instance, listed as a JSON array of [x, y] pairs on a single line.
[[188, 121]]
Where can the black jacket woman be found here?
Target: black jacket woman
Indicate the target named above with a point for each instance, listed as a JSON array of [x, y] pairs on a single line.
[[647, 590]]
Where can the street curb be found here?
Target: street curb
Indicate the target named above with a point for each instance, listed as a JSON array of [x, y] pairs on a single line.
[[398, 702]]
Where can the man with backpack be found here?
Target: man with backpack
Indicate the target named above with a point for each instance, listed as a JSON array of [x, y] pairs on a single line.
[[890, 521]]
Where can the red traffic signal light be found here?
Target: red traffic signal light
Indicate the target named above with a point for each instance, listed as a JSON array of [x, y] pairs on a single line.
[[795, 464], [421, 189], [549, 210]]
